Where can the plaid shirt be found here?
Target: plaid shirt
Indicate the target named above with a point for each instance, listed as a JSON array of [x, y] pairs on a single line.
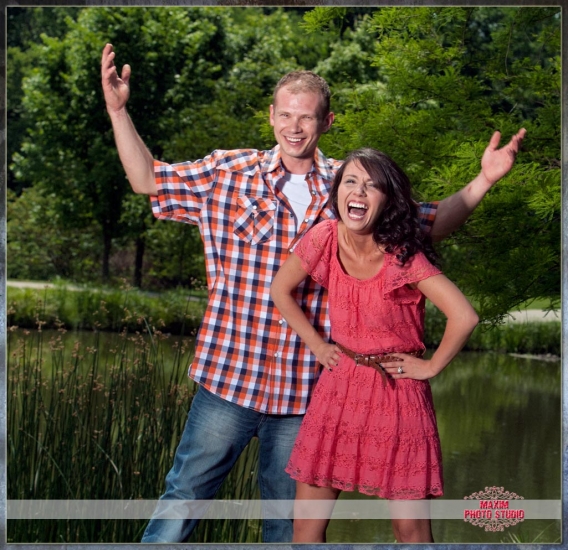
[[245, 351]]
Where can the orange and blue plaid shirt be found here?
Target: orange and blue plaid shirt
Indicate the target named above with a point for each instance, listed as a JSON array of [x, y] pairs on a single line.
[[245, 352]]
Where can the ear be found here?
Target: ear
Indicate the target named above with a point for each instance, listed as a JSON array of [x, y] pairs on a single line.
[[272, 115], [328, 121]]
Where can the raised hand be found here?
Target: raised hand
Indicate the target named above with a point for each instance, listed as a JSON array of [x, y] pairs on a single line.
[[495, 163], [116, 89]]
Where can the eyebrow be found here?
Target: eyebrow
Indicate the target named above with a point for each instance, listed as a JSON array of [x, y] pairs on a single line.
[[286, 112], [356, 176]]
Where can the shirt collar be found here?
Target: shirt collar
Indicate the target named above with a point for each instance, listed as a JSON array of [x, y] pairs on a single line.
[[273, 162]]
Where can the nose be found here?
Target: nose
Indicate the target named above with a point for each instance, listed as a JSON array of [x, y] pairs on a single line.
[[361, 189], [295, 125]]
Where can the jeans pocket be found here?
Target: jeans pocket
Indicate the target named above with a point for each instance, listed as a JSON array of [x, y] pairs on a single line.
[[254, 222]]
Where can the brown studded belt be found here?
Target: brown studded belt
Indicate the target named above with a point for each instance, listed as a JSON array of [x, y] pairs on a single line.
[[375, 361]]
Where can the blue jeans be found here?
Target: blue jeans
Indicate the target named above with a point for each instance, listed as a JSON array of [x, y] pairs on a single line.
[[215, 434]]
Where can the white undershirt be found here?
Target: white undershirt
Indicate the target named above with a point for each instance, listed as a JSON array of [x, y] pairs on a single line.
[[295, 188]]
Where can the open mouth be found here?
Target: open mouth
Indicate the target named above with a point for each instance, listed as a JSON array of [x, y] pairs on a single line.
[[294, 141], [357, 210]]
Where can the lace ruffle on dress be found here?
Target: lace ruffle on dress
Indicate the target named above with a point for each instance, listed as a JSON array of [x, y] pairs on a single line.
[[358, 434]]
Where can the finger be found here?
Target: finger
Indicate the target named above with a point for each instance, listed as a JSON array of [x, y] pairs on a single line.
[[337, 355], [108, 54], [109, 78], [395, 370], [126, 71], [108, 68], [107, 50], [518, 139], [399, 356], [494, 141]]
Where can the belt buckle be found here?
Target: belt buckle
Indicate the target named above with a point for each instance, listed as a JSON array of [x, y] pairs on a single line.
[[357, 357]]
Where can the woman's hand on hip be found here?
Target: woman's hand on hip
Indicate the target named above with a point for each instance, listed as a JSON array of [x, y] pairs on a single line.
[[408, 366]]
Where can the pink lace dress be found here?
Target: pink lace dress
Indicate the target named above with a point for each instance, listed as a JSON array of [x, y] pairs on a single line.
[[357, 433]]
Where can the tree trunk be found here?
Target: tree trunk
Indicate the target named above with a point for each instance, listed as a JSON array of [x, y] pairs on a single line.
[[107, 246], [139, 261]]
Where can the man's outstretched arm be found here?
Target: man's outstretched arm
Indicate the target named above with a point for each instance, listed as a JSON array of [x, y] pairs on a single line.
[[454, 210], [134, 155]]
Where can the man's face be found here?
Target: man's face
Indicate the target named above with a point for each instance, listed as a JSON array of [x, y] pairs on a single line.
[[298, 125]]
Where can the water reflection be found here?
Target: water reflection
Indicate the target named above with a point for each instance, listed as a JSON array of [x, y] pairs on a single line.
[[500, 424]]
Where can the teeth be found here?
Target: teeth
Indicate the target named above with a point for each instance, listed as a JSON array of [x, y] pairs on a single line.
[[357, 205], [294, 140]]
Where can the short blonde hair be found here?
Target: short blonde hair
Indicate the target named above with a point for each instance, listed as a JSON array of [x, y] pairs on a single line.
[[306, 81]]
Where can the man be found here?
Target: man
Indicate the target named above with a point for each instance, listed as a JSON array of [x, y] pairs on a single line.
[[252, 207]]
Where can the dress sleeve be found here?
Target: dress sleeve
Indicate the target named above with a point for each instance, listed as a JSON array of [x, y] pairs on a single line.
[[415, 269], [427, 215], [183, 188], [315, 250]]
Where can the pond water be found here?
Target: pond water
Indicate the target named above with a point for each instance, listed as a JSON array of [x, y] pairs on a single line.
[[499, 419]]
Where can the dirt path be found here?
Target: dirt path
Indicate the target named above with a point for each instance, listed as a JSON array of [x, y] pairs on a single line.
[[31, 284], [532, 315]]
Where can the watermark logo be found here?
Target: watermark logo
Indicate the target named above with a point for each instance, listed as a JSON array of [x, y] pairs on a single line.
[[494, 511]]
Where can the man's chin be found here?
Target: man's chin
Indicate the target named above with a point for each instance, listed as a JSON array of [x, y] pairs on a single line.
[[298, 153]]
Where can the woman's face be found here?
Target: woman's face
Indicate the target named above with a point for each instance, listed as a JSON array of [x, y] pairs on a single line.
[[359, 199]]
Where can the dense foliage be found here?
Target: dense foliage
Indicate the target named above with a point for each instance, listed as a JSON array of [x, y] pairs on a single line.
[[448, 78], [426, 85]]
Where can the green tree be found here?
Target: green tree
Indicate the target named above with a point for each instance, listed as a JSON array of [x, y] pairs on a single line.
[[447, 78], [25, 27], [264, 45], [199, 75], [69, 148], [38, 248]]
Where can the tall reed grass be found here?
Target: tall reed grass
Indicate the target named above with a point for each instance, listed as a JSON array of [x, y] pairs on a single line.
[[102, 426], [106, 425]]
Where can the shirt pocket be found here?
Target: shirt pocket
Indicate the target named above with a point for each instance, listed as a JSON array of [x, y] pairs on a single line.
[[254, 222]]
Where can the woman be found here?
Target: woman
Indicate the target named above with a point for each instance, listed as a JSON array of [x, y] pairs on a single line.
[[371, 424]]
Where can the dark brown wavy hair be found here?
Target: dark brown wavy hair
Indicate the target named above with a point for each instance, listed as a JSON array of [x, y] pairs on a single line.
[[397, 228]]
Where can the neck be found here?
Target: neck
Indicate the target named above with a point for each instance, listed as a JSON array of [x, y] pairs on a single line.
[[297, 165], [359, 244]]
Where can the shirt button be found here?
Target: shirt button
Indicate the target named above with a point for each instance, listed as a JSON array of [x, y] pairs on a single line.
[[306, 220], [280, 322], [254, 207], [313, 192], [276, 354], [292, 249]]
